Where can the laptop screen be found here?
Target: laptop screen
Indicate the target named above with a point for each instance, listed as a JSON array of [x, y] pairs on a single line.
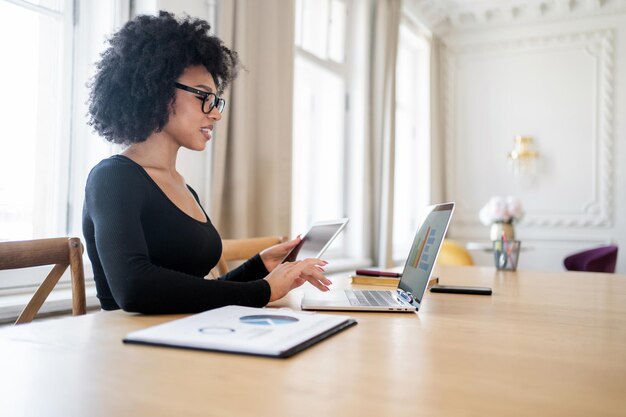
[[425, 248]]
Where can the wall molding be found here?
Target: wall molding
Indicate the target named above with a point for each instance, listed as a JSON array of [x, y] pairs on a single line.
[[600, 45], [444, 16]]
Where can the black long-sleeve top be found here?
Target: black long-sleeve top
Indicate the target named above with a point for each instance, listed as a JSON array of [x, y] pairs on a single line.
[[150, 257]]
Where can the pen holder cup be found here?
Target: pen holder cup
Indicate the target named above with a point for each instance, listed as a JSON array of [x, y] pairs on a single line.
[[506, 254]]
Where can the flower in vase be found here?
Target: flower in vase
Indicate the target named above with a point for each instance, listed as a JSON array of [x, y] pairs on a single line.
[[501, 210]]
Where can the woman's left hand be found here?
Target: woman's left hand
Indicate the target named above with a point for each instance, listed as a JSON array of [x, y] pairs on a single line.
[[272, 256]]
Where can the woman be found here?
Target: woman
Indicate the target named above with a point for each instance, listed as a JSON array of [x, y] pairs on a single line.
[[149, 240]]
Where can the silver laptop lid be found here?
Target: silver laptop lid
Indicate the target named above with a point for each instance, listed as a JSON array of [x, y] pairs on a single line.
[[424, 252]]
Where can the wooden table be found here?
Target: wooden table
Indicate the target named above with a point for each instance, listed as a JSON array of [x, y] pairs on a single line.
[[543, 344]]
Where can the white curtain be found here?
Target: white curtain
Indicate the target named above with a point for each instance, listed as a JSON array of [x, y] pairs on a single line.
[[251, 169], [382, 125]]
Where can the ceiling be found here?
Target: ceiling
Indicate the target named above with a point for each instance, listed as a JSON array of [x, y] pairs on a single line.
[[444, 16]]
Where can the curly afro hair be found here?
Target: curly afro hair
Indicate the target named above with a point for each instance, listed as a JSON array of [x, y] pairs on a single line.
[[133, 87]]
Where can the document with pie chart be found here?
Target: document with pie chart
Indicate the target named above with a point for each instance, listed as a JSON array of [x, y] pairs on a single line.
[[247, 330]]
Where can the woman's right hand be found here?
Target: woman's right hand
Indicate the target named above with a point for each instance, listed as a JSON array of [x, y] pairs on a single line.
[[289, 275]]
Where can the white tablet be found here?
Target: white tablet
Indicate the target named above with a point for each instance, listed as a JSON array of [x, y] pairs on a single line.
[[315, 242]]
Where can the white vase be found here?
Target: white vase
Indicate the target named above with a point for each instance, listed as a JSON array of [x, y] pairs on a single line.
[[499, 228]]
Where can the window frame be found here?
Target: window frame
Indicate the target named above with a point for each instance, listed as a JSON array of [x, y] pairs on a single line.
[[355, 199], [420, 41]]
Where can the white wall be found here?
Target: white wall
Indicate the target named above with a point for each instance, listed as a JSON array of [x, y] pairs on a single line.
[[564, 84]]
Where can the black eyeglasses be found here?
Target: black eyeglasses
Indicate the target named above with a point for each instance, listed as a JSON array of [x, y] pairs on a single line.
[[209, 100]]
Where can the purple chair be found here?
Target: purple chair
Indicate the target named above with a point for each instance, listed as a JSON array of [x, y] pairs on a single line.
[[602, 259]]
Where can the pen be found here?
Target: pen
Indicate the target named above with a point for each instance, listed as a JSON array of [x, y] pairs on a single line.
[[507, 248], [372, 273]]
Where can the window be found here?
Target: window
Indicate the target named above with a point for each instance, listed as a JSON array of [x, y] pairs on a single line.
[[47, 147], [36, 77], [412, 147], [327, 155], [50, 48]]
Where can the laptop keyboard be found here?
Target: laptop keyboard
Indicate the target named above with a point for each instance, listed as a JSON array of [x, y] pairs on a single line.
[[371, 298]]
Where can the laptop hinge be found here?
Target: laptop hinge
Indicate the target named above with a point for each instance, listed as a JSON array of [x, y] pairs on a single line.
[[405, 296]]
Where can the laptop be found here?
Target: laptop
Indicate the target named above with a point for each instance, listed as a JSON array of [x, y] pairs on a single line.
[[417, 270]]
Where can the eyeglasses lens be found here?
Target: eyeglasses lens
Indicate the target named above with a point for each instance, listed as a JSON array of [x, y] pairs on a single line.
[[212, 101]]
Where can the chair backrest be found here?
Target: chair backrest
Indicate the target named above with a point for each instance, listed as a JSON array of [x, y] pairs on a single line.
[[601, 259], [60, 252], [242, 249], [453, 253]]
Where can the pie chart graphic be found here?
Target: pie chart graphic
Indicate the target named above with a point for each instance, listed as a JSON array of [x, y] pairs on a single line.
[[268, 320]]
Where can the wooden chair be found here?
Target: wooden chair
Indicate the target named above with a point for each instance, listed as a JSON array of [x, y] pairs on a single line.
[[242, 249], [62, 252]]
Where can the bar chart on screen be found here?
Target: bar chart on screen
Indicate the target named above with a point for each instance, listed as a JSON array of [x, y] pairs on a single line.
[[421, 256]]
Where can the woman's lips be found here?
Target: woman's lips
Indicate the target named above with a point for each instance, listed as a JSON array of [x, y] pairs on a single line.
[[207, 132]]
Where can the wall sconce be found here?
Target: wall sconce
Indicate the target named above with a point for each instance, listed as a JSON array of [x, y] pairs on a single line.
[[523, 158]]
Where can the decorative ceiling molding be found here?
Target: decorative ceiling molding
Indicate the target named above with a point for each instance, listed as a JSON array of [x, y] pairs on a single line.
[[600, 45], [444, 16]]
